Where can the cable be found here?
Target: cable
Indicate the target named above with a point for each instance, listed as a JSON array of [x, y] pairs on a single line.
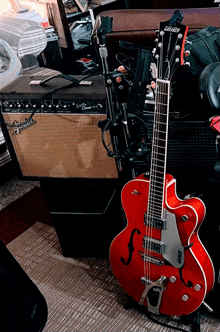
[[127, 153], [123, 62], [164, 324], [69, 78]]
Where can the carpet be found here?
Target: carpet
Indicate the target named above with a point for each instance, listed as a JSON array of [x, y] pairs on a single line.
[[81, 293]]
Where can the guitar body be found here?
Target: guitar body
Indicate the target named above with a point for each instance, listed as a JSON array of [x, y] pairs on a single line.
[[184, 288], [158, 258]]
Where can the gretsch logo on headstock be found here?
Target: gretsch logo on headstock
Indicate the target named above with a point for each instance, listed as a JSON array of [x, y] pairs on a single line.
[[172, 29]]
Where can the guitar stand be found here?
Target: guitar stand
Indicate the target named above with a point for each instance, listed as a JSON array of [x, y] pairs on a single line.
[[193, 319]]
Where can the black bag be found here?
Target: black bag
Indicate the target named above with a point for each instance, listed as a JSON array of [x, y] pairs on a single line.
[[209, 84], [23, 307], [204, 48]]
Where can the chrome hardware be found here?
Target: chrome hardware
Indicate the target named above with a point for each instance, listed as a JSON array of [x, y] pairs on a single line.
[[154, 222], [145, 281], [207, 306], [158, 286], [154, 245], [172, 279], [152, 260], [20, 126], [185, 297], [135, 192], [197, 287], [185, 217]]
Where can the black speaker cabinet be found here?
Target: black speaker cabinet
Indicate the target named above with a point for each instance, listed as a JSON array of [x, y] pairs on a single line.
[[63, 139], [191, 154], [86, 214]]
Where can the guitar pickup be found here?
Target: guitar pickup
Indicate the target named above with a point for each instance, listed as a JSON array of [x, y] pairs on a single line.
[[154, 245], [154, 222]]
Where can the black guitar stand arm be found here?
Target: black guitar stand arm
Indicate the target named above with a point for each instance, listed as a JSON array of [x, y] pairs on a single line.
[[192, 319]]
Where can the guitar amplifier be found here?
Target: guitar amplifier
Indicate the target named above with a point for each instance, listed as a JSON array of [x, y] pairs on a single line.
[[62, 139]]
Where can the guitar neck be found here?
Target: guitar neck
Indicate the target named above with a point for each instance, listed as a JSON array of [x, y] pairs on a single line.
[[159, 149]]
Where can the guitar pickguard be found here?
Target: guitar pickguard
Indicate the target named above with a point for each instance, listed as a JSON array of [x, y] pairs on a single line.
[[173, 250]]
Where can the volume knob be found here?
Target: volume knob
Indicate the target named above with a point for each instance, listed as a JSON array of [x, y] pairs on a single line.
[[185, 297]]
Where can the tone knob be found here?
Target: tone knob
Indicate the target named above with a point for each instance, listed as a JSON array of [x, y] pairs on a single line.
[[173, 279], [197, 287], [185, 297]]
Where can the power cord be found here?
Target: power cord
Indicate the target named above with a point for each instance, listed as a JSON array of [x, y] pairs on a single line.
[[74, 82]]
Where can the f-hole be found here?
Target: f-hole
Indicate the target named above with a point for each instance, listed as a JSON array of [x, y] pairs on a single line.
[[130, 247]]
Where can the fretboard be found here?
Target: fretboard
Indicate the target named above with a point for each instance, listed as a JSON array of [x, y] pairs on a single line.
[[159, 149]]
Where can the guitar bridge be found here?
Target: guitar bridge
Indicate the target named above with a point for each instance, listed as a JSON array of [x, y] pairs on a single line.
[[150, 259], [153, 294]]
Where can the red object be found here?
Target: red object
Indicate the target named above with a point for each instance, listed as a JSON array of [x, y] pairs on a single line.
[[84, 60], [158, 258], [215, 123], [45, 24], [118, 79], [130, 261]]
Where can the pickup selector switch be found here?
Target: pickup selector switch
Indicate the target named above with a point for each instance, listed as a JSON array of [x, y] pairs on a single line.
[[185, 217]]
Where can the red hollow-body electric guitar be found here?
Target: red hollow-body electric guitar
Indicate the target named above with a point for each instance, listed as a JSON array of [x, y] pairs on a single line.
[[158, 258]]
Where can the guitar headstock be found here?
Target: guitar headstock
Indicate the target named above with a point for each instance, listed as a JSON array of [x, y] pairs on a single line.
[[169, 51]]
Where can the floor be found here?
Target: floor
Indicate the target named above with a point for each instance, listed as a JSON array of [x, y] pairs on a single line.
[[14, 188]]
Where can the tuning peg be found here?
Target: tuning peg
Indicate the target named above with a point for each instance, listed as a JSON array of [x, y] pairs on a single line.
[[188, 42], [157, 32], [187, 53], [187, 64]]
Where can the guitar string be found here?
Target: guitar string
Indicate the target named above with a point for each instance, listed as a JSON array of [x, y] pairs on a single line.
[[161, 94], [171, 60], [151, 207], [146, 248], [161, 118]]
